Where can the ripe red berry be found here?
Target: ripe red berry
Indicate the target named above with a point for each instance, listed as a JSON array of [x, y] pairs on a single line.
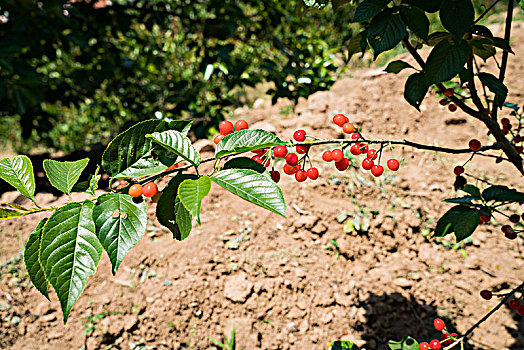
[[449, 92], [372, 154], [474, 145], [174, 166], [257, 159], [435, 344], [355, 149], [348, 128], [260, 152], [507, 228], [337, 155], [289, 170], [367, 164], [340, 119], [119, 187], [458, 170], [149, 189], [519, 149], [301, 149], [520, 310], [364, 149], [342, 164], [423, 346], [504, 121], [275, 175], [226, 127], [510, 235], [292, 159], [217, 138], [300, 175], [514, 304], [326, 156], [486, 294], [377, 170], [312, 173], [484, 218], [355, 136], [514, 218], [452, 107], [135, 190], [299, 135], [280, 151], [393, 164], [241, 125], [439, 324]]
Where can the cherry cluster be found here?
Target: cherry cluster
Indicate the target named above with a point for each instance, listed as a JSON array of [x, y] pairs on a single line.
[[448, 93], [506, 129], [513, 304], [226, 127], [445, 340]]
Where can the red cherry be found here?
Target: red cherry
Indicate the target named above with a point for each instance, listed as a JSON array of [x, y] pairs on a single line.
[[337, 155], [135, 190], [372, 154], [474, 145], [507, 229], [292, 159], [312, 173], [452, 107], [367, 164], [364, 149], [486, 294], [514, 304], [520, 310], [326, 157], [510, 235], [348, 128], [301, 149], [355, 136], [439, 324], [241, 125], [149, 189], [300, 175], [257, 159], [377, 170], [289, 170], [280, 151], [217, 138], [275, 175], [342, 164], [260, 152], [355, 149], [393, 164], [423, 346], [514, 218], [435, 344], [119, 187], [225, 127], [340, 119], [449, 92], [484, 218], [504, 121], [519, 149], [458, 170], [299, 135]]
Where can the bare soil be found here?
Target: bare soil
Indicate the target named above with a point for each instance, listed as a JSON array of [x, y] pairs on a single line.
[[275, 279]]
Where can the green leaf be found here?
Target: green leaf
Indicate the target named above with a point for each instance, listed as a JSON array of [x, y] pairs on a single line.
[[90, 185], [483, 48], [397, 66], [170, 211], [131, 145], [19, 174], [64, 175], [495, 86], [358, 43], [465, 199], [6, 214], [191, 193], [460, 219], [253, 187], [145, 166], [426, 5], [465, 76], [385, 32], [502, 194], [415, 89], [343, 345], [457, 16], [32, 261], [244, 163], [416, 20], [436, 37], [445, 61], [472, 190], [120, 224], [521, 3], [368, 9], [70, 251], [502, 44], [482, 31], [407, 343], [177, 143], [246, 140]]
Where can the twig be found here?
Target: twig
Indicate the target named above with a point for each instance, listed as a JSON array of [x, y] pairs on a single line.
[[485, 12]]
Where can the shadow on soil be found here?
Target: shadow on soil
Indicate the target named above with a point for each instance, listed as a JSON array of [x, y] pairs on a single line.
[[42, 183]]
